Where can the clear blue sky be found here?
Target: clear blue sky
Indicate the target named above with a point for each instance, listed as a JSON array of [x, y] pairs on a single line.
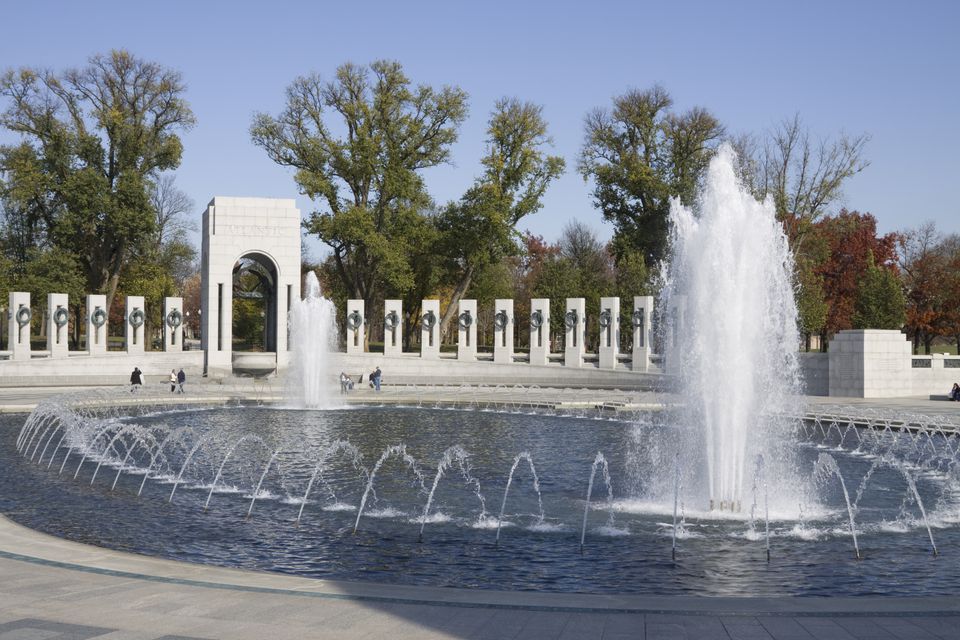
[[888, 69]]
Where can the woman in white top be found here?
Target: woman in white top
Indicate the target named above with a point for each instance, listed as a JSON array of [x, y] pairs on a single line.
[[173, 380]]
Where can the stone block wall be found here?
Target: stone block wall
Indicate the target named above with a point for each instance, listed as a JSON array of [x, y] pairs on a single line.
[[815, 369], [870, 363]]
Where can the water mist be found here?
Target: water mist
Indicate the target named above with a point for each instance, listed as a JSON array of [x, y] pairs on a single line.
[[313, 335], [733, 338]]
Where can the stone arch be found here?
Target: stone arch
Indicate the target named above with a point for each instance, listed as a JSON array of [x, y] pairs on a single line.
[[264, 269], [265, 231]]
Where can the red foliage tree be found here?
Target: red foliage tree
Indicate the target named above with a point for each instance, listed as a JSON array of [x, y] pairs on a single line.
[[846, 240], [926, 276], [951, 287]]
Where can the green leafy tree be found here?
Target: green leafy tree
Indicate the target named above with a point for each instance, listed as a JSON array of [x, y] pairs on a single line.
[[481, 229], [366, 180], [812, 306], [639, 156], [48, 270], [91, 141], [880, 301], [631, 278], [558, 280]]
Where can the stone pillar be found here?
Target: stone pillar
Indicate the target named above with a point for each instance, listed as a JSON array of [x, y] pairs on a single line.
[[503, 331], [609, 320], [288, 291], [870, 363], [467, 330], [18, 319], [430, 329], [575, 332], [356, 326], [539, 330], [392, 327], [97, 320], [674, 322], [173, 324], [641, 320], [58, 325], [135, 327]]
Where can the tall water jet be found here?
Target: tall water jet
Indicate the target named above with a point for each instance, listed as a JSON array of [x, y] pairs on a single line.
[[732, 333], [313, 335]]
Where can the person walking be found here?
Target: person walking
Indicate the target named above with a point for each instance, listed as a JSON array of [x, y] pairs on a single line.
[[173, 380], [136, 380], [375, 378], [344, 382], [181, 378]]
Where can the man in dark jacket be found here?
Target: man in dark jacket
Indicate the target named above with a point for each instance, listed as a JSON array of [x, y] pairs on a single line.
[[135, 379]]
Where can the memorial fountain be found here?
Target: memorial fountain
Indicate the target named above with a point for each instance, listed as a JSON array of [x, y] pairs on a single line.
[[313, 335], [729, 493], [731, 278]]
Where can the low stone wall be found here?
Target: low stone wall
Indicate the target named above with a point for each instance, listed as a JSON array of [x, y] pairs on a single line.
[[934, 374], [108, 369], [411, 369], [815, 369]]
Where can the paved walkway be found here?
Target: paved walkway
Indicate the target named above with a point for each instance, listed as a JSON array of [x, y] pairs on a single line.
[[55, 589]]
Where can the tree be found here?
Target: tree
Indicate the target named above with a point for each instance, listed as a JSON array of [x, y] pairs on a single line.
[[951, 248], [528, 268], [640, 155], [812, 307], [481, 228], [367, 182], [92, 140], [593, 267], [849, 238], [559, 279], [924, 268], [49, 270], [171, 246], [804, 178], [880, 302]]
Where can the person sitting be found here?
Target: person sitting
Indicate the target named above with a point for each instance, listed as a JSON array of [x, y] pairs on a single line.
[[955, 392]]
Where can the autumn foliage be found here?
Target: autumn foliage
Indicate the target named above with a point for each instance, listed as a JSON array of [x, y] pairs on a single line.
[[842, 246]]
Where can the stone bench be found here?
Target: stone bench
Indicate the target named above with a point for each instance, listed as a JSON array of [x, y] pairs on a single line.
[[939, 396]]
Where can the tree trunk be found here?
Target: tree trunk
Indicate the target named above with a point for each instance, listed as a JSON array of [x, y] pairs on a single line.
[[458, 293], [410, 323]]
